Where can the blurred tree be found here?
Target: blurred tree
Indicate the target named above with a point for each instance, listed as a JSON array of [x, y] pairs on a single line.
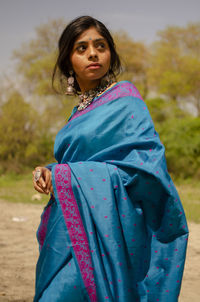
[[182, 142], [36, 58], [34, 62], [134, 57], [179, 132], [175, 61], [21, 135], [185, 38], [192, 65]]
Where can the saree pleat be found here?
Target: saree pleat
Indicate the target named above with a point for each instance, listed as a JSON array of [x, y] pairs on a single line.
[[115, 229]]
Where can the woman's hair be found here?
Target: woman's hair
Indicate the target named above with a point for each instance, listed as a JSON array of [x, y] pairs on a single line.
[[66, 42]]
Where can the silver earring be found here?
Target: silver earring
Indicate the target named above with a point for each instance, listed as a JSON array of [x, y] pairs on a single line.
[[70, 84]]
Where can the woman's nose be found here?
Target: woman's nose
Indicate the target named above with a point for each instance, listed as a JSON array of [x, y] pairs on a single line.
[[92, 52]]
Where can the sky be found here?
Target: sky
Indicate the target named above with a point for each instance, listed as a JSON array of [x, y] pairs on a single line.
[[141, 19]]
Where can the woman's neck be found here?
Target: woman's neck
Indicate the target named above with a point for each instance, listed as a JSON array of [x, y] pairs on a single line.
[[86, 85]]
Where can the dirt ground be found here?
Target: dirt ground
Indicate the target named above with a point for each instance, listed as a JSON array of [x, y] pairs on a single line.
[[19, 252]]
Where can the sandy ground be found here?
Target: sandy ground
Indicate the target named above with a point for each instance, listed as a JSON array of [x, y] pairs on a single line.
[[19, 252]]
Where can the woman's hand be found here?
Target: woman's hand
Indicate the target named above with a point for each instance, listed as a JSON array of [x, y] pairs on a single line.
[[43, 184]]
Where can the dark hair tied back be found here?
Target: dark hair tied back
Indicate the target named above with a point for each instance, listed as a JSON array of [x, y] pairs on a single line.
[[66, 42]]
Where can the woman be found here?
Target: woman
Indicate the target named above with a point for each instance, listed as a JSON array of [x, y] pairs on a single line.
[[114, 228]]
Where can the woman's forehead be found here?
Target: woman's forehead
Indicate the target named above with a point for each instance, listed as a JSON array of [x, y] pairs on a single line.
[[89, 34]]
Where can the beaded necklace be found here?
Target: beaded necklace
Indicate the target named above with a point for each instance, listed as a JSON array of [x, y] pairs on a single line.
[[87, 98]]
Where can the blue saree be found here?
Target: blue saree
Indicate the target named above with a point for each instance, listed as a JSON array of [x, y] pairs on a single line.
[[115, 229]]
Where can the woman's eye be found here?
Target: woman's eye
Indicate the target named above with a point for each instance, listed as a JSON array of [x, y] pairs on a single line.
[[81, 48], [101, 45]]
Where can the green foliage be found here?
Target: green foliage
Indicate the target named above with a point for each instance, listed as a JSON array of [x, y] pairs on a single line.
[[22, 141], [35, 59], [182, 141], [17, 127], [189, 193], [134, 57], [163, 110], [179, 133], [174, 68]]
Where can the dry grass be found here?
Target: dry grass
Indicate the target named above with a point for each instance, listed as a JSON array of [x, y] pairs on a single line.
[[190, 197], [18, 188]]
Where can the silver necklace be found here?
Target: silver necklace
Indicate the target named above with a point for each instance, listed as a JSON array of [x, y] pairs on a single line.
[[87, 98]]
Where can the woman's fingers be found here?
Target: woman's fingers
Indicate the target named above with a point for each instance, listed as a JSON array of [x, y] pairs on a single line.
[[39, 183], [45, 180], [50, 181], [44, 183], [36, 186], [47, 176]]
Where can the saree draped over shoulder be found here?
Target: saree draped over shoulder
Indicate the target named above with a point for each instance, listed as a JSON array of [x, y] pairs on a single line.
[[116, 229]]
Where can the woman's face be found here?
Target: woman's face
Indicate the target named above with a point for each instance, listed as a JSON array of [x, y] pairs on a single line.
[[90, 58]]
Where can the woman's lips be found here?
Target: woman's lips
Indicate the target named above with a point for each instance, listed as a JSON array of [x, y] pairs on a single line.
[[93, 66]]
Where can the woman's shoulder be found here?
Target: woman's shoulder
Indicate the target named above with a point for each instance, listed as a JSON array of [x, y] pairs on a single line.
[[123, 89], [125, 95]]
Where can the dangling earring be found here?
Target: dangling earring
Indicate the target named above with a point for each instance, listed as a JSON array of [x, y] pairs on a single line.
[[70, 84]]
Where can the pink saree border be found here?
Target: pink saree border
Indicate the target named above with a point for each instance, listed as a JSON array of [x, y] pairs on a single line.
[[121, 89], [75, 227], [41, 234]]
